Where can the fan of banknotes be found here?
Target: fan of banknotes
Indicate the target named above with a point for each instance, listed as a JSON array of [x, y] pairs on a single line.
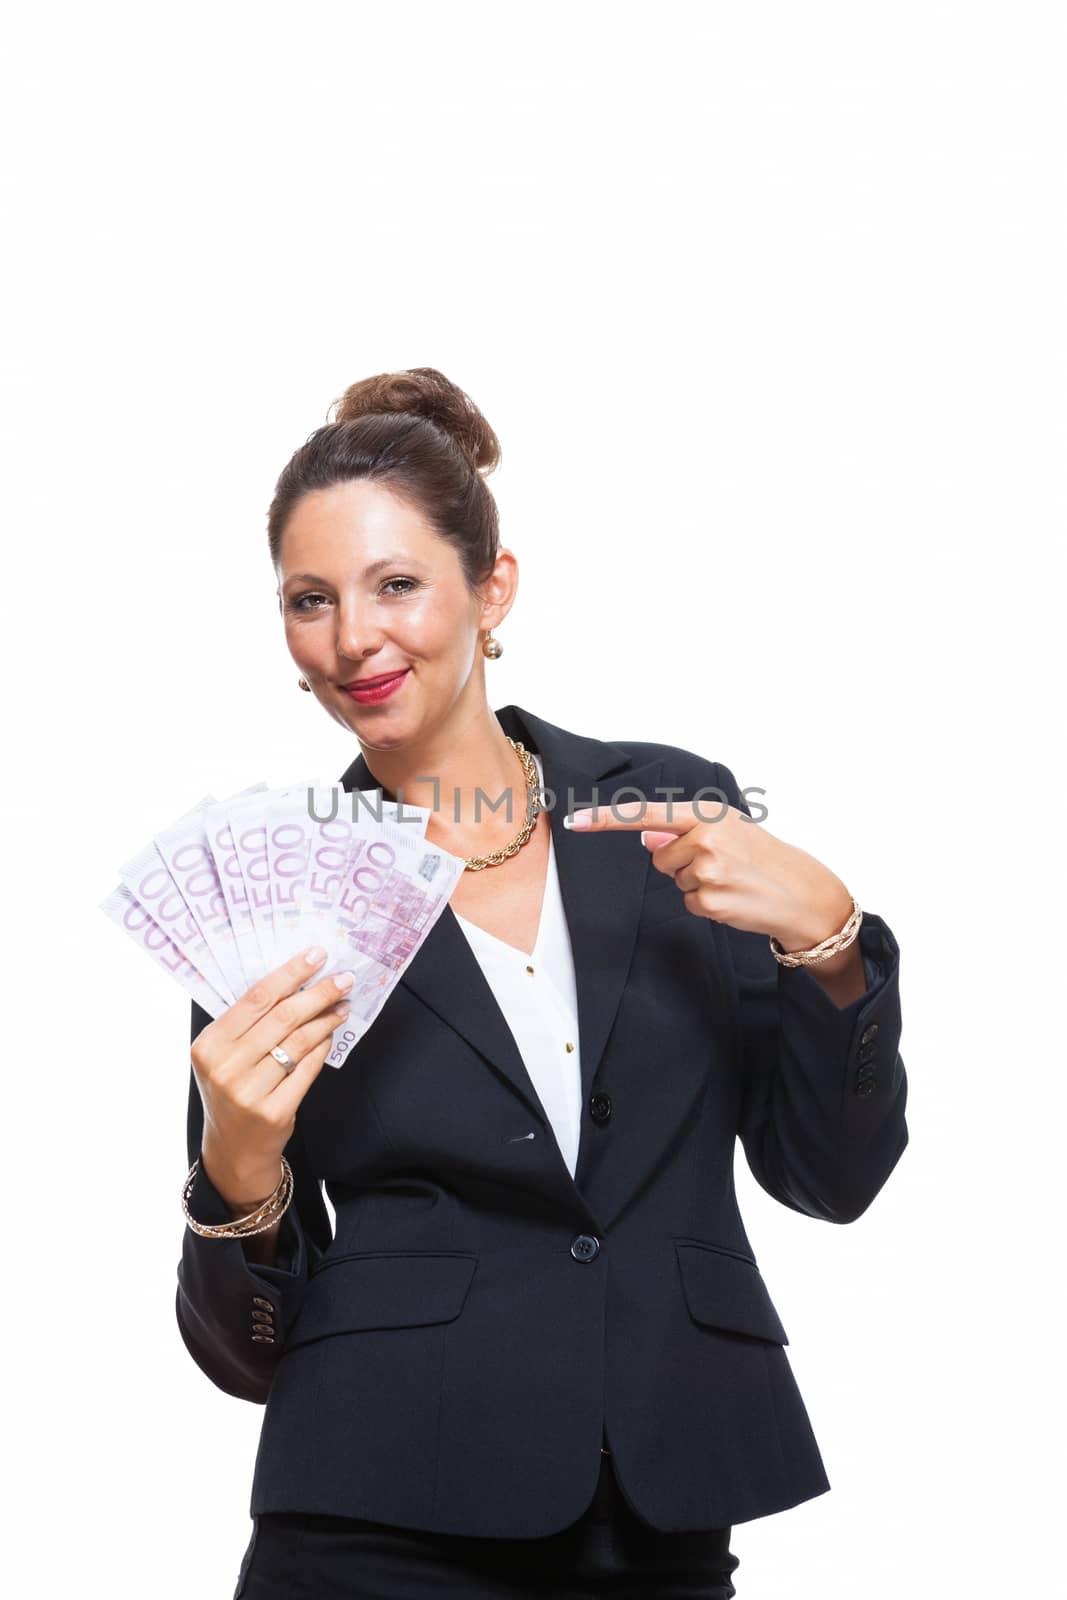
[[235, 887]]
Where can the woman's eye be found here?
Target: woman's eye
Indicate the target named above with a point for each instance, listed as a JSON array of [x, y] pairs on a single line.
[[306, 602]]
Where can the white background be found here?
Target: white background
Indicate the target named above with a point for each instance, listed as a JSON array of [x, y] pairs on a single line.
[[766, 305]]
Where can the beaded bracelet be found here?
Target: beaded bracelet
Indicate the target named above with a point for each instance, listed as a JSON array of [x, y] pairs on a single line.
[[257, 1221]]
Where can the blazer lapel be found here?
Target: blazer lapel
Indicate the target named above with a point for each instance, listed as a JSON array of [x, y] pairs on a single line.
[[602, 880]]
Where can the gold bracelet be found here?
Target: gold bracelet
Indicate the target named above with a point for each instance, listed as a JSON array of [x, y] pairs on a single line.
[[257, 1221], [827, 948]]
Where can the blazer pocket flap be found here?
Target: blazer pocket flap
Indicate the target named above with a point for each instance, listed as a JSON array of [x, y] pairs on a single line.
[[379, 1289], [727, 1291]]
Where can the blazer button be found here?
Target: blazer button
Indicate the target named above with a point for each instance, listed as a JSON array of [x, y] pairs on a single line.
[[865, 1086], [262, 1316], [866, 1052], [585, 1247], [600, 1107], [868, 1033], [258, 1300]]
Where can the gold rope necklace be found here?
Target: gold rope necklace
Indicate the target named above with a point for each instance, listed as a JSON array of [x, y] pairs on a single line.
[[533, 806]]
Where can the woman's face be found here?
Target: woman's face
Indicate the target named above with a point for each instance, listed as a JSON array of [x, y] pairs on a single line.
[[366, 588]]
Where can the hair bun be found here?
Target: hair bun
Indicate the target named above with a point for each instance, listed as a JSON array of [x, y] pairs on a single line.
[[424, 392]]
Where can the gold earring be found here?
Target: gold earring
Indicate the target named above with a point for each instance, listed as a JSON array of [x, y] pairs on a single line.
[[492, 647], [304, 684]]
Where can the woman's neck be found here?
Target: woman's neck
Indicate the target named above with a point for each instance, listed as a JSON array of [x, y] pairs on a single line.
[[463, 774]]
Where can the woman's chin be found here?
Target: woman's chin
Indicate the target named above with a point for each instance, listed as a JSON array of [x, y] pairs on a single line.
[[379, 729]]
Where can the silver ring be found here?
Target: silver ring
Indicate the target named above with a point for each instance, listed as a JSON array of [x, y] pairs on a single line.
[[283, 1058]]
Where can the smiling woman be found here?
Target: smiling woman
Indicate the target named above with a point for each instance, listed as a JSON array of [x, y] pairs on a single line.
[[538, 1354], [385, 539]]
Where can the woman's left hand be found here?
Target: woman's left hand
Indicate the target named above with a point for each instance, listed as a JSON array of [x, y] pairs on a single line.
[[733, 869]]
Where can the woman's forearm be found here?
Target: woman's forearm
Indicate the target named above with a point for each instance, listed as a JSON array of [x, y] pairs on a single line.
[[842, 975], [243, 1196]]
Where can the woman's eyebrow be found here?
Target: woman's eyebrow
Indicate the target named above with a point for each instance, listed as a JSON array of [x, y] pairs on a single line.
[[368, 572]]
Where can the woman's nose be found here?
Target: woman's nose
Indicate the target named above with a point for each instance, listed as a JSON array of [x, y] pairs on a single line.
[[357, 633]]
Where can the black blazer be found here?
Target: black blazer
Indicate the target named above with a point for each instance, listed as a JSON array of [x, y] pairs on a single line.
[[455, 1357]]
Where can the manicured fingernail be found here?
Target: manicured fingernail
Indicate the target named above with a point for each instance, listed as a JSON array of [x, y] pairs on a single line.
[[341, 1011], [578, 819], [314, 955], [343, 980]]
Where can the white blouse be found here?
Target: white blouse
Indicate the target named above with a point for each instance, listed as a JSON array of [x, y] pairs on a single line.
[[539, 999]]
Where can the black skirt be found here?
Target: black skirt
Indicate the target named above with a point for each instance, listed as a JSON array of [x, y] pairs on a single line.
[[305, 1556]]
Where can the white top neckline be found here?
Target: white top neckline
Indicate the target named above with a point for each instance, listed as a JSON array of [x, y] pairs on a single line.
[[537, 993]]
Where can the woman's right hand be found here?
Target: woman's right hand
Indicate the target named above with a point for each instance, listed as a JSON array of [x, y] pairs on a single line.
[[250, 1100]]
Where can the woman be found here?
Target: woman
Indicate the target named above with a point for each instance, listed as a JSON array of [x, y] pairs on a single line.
[[538, 1356]]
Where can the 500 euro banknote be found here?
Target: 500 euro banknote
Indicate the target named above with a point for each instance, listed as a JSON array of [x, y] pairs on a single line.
[[393, 891], [232, 889], [170, 904]]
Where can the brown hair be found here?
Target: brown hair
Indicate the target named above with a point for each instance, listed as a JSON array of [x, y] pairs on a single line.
[[425, 440]]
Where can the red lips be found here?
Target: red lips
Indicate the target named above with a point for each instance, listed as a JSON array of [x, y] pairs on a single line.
[[371, 683]]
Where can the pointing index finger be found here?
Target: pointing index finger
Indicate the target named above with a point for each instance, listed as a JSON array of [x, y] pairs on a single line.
[[677, 817]]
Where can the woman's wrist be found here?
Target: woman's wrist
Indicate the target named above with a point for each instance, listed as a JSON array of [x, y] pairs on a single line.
[[810, 924], [243, 1192]]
